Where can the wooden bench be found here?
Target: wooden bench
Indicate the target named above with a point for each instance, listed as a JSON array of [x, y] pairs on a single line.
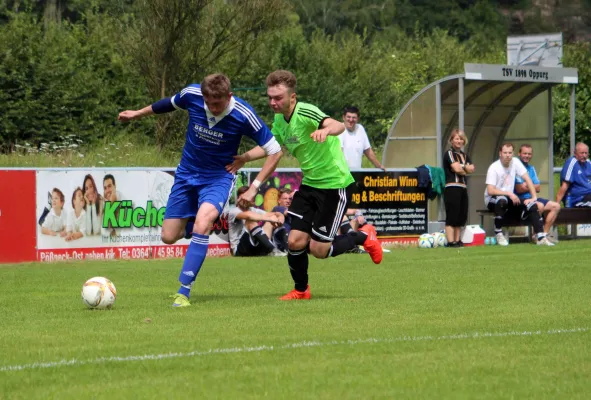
[[567, 216]]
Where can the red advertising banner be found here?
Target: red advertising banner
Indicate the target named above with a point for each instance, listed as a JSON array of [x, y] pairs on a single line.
[[17, 216]]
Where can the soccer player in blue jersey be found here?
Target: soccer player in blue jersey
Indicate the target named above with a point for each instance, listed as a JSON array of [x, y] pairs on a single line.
[[217, 122], [551, 208], [575, 179]]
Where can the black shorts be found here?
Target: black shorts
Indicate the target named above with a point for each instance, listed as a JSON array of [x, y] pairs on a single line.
[[514, 212], [456, 206], [250, 247], [319, 212]]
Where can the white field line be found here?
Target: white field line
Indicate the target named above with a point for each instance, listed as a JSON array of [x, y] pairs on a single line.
[[261, 348]]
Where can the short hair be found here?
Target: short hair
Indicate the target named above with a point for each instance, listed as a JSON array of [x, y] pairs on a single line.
[[241, 190], [216, 85], [527, 145], [78, 189], [581, 144], [60, 194], [284, 190], [351, 109], [508, 144], [282, 77], [111, 177], [460, 133]]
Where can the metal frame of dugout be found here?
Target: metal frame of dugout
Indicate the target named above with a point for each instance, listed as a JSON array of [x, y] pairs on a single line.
[[492, 104]]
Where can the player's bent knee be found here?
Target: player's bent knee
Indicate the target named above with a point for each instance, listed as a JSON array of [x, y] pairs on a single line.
[[319, 249], [296, 244], [169, 237]]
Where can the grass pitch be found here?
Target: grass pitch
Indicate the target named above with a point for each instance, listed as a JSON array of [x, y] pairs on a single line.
[[486, 322]]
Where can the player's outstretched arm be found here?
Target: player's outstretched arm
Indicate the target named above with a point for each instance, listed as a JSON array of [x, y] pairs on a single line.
[[267, 169], [129, 115]]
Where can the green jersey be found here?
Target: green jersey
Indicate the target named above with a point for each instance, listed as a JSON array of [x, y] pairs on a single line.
[[323, 164]]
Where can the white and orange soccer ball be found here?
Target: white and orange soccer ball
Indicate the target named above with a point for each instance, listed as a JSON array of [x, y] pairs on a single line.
[[99, 293]]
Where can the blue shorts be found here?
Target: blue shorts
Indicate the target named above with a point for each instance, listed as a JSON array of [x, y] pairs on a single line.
[[187, 195], [543, 201]]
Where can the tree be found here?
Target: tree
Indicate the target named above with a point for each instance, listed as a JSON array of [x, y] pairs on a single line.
[[176, 42]]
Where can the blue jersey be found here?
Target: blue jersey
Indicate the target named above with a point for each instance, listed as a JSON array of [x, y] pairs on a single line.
[[531, 171], [578, 175], [212, 141]]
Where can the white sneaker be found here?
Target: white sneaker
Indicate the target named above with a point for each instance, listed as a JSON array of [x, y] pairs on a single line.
[[545, 242], [502, 240], [552, 239], [277, 253]]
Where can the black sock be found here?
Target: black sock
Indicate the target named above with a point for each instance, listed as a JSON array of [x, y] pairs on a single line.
[[346, 227], [344, 243], [258, 233], [280, 236], [298, 267]]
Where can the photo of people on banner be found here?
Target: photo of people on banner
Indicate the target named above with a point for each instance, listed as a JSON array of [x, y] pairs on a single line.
[[81, 209], [391, 201]]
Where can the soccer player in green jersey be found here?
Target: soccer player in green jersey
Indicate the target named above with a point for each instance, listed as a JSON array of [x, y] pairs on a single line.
[[327, 184]]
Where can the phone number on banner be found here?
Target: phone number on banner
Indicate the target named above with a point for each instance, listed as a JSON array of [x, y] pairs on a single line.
[[135, 252]]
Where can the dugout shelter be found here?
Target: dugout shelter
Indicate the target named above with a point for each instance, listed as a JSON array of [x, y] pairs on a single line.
[[493, 104]]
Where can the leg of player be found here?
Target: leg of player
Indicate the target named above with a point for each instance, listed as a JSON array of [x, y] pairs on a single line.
[[297, 258], [457, 232], [261, 234], [553, 208], [366, 236], [206, 216], [346, 225], [531, 210], [173, 229]]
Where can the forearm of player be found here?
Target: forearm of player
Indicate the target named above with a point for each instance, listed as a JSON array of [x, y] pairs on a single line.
[[267, 169], [492, 190], [458, 168], [561, 192], [332, 127], [531, 187], [521, 188], [371, 156], [255, 153]]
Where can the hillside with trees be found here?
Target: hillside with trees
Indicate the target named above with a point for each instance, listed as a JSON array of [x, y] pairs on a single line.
[[67, 67]]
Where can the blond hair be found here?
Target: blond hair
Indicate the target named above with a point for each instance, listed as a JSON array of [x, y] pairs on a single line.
[[460, 133]]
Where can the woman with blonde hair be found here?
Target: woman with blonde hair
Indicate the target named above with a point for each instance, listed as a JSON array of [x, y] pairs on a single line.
[[457, 165]]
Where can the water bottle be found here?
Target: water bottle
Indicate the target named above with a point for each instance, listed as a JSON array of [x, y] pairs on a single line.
[[568, 201]]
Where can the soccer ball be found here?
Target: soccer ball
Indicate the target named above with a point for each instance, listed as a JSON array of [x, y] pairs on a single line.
[[439, 239], [99, 293], [426, 241], [490, 240]]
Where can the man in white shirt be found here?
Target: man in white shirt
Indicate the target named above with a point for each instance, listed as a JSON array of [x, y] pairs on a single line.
[[354, 140], [247, 238], [500, 198]]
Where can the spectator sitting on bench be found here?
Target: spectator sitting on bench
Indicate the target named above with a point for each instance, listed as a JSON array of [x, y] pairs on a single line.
[[500, 199], [522, 190], [575, 179]]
